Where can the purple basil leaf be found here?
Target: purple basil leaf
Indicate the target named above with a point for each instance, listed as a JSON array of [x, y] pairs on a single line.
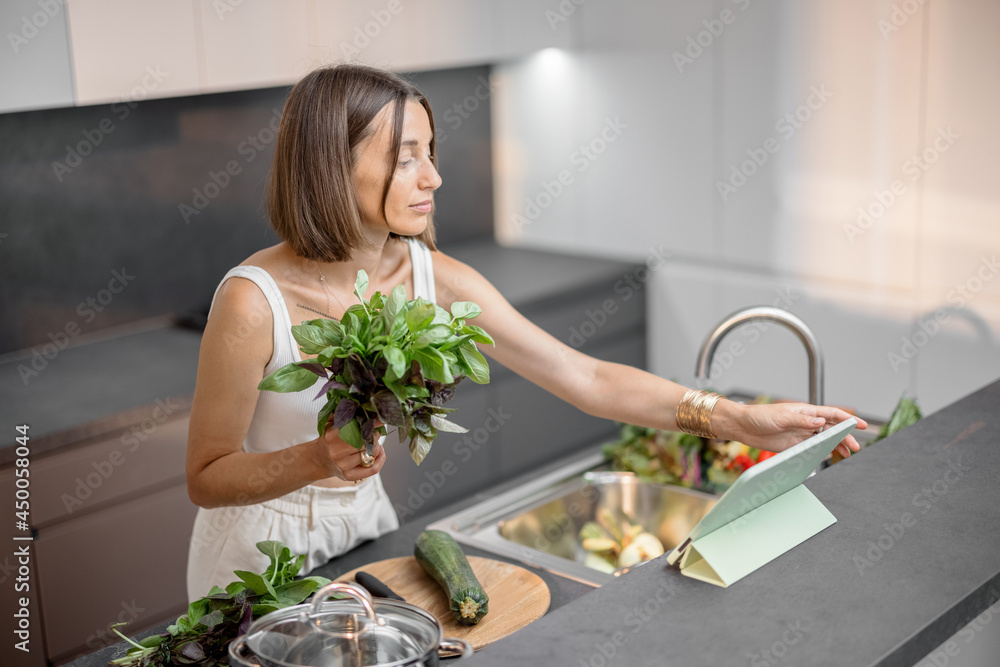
[[367, 427], [388, 408], [318, 369], [246, 619], [332, 384], [344, 412]]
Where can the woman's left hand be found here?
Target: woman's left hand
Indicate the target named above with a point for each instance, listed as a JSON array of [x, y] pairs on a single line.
[[777, 426]]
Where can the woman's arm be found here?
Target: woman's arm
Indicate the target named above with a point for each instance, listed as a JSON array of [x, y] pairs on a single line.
[[231, 364], [616, 391]]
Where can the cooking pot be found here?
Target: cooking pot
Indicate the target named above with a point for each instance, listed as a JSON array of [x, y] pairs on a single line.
[[351, 632]]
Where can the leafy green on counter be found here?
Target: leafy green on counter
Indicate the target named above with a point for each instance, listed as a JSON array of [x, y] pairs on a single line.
[[388, 359], [906, 413], [202, 635]]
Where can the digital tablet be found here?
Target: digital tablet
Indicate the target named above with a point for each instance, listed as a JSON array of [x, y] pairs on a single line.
[[767, 480]]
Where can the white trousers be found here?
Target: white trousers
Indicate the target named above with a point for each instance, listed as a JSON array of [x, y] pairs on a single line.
[[316, 521]]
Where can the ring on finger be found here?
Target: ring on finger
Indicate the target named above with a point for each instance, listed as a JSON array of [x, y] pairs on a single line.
[[367, 460]]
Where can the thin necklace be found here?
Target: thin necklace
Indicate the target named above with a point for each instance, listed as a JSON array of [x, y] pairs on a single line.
[[326, 290]]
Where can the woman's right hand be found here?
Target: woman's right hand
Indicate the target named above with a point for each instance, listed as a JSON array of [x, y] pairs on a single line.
[[344, 461]]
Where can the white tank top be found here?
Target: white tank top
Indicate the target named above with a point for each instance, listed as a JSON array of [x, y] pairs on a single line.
[[282, 420]]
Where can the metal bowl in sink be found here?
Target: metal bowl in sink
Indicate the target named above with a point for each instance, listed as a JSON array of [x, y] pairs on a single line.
[[538, 523], [668, 512]]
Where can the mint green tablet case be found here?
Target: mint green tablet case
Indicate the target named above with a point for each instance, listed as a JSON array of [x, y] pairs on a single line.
[[765, 513]]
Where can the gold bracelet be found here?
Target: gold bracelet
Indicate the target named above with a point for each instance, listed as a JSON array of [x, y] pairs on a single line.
[[694, 412]]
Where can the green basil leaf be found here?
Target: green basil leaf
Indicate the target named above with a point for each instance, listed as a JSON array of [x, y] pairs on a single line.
[[419, 317], [295, 566], [333, 331], [479, 370], [351, 434], [465, 310], [392, 307], [441, 316], [455, 342], [396, 359], [294, 592], [259, 584], [289, 378], [212, 619], [361, 284], [478, 334], [311, 339], [197, 609], [442, 424], [436, 333], [234, 588], [432, 364]]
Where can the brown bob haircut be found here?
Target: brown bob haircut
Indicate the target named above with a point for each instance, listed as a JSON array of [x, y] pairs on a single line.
[[312, 203]]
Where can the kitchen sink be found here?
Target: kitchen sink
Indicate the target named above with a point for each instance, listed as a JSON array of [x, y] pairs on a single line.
[[538, 523]]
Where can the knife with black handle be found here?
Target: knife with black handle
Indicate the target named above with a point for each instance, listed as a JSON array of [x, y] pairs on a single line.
[[376, 587]]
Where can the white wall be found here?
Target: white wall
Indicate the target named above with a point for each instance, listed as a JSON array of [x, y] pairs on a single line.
[[873, 90]]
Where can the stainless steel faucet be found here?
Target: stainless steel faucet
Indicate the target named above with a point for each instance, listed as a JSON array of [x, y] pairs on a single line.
[[770, 314]]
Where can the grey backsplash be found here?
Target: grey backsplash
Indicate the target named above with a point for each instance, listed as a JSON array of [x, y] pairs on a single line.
[[97, 241]]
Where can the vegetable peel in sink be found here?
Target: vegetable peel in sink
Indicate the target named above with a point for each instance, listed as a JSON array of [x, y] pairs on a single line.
[[387, 359], [612, 544]]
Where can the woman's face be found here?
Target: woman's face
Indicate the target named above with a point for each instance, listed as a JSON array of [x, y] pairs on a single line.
[[411, 193]]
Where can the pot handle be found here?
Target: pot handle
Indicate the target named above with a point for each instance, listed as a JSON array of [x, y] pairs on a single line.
[[456, 646], [353, 590]]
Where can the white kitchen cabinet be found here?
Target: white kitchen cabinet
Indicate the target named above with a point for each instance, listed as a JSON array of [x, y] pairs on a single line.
[[34, 61], [133, 49], [253, 44]]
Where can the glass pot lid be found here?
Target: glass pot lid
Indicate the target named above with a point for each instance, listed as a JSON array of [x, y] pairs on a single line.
[[351, 632]]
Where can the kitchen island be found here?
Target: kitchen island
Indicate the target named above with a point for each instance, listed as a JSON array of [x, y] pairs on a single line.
[[913, 557]]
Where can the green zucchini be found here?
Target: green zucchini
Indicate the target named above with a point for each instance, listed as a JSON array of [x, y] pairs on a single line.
[[441, 557]]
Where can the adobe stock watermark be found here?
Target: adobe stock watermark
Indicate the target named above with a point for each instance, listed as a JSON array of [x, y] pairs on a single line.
[[463, 450], [786, 127], [581, 159], [462, 110], [218, 521], [923, 500], [927, 328], [218, 181], [941, 657], [627, 286], [776, 652], [900, 14], [86, 484], [365, 33], [121, 108], [726, 357], [31, 25], [914, 167], [42, 356], [699, 43], [635, 619], [224, 7], [562, 12]]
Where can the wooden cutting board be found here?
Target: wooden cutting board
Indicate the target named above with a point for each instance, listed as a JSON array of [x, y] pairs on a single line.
[[517, 596]]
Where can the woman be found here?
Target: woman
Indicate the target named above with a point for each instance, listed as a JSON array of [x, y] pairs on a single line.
[[352, 188]]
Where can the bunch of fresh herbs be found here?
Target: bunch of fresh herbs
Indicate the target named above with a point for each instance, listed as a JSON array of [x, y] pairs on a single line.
[[203, 634], [388, 359]]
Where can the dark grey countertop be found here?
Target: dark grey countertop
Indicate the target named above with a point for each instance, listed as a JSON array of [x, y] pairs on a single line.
[[913, 557], [400, 543], [103, 382]]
